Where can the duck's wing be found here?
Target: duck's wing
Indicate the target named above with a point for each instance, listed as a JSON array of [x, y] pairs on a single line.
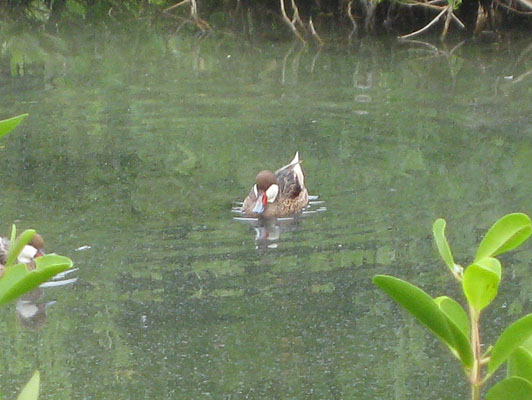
[[249, 202], [291, 179]]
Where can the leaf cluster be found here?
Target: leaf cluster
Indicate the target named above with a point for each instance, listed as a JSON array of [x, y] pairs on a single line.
[[450, 322]]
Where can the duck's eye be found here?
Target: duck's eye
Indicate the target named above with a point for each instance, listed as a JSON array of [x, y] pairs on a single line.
[[255, 190], [272, 192]]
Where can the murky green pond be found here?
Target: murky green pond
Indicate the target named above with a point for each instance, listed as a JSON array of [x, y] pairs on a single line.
[[137, 147]]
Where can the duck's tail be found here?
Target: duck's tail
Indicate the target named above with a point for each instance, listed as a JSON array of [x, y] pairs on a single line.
[[296, 159], [295, 165]]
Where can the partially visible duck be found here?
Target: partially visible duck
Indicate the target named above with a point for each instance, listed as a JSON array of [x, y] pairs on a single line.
[[35, 248], [277, 194]]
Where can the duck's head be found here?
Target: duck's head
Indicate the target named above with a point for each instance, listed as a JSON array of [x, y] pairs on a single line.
[[34, 249], [38, 242], [265, 189]]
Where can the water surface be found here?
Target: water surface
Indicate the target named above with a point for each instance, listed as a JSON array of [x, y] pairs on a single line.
[[138, 144]]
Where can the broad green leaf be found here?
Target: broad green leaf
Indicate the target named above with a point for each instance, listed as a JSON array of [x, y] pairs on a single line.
[[51, 260], [510, 339], [491, 264], [505, 234], [527, 344], [31, 390], [7, 125], [438, 230], [16, 248], [425, 309], [480, 285], [455, 312], [513, 388], [17, 280], [520, 364]]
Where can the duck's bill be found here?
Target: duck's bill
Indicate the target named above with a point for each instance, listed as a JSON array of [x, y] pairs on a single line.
[[259, 207]]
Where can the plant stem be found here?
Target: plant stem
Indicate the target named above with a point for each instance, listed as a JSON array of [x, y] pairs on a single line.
[[475, 377]]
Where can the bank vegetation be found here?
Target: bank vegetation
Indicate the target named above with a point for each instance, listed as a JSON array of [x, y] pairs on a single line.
[[306, 20]]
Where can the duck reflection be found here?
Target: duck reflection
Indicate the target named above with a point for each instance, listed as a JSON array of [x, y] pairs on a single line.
[[268, 231], [31, 308]]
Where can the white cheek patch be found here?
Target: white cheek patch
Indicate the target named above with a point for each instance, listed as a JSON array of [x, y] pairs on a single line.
[[271, 193], [27, 254], [255, 190]]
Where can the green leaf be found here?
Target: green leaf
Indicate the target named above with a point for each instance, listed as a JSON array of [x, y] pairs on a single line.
[[520, 364], [31, 390], [480, 285], [9, 124], [505, 234], [16, 248], [491, 264], [438, 230], [425, 309], [510, 339], [527, 344], [455, 313], [455, 4], [17, 280], [513, 388], [13, 234]]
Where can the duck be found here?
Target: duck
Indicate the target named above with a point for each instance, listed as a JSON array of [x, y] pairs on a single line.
[[278, 194], [34, 249]]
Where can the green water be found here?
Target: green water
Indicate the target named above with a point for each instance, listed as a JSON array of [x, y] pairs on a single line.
[[139, 143]]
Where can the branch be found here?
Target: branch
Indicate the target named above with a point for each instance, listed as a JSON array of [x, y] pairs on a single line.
[[196, 19], [513, 9], [296, 17], [425, 27], [290, 23], [419, 3], [447, 21], [458, 21], [176, 5], [526, 3], [314, 33], [350, 14]]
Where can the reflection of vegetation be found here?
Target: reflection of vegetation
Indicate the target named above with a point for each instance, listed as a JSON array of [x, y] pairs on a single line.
[[450, 323]]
